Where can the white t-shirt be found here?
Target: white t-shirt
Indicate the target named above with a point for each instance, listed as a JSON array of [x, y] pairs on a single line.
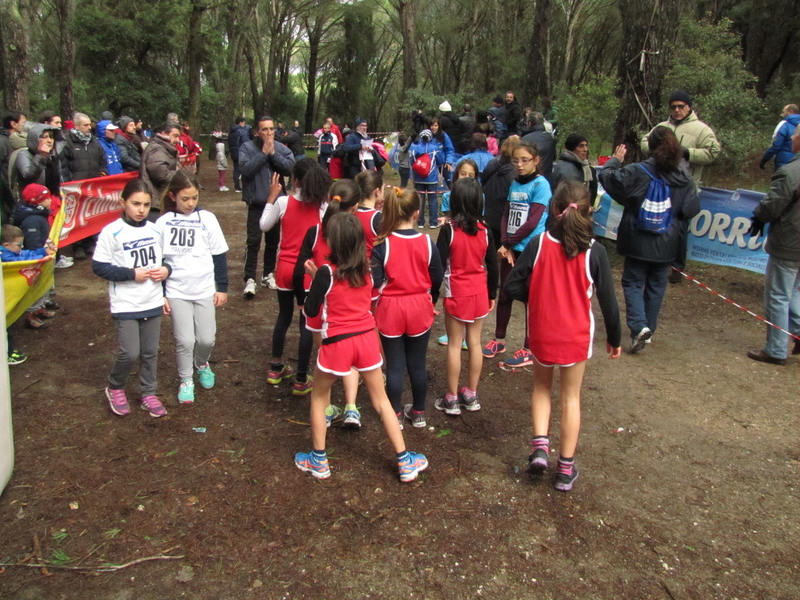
[[188, 243], [123, 245]]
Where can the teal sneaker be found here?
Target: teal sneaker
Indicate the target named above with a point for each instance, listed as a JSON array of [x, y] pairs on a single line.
[[206, 376], [310, 463], [186, 391], [412, 466]]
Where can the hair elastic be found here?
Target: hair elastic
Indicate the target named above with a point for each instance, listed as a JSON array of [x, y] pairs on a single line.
[[570, 205]]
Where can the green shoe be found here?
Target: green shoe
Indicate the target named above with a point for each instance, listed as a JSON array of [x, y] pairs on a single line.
[[186, 391], [206, 376]]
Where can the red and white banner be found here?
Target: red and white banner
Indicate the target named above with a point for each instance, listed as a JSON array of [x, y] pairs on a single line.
[[91, 204], [188, 162]]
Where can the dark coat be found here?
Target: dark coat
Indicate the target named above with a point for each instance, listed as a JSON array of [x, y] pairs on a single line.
[[497, 179], [568, 169], [129, 156], [32, 219], [83, 161], [257, 169], [158, 167], [628, 186], [546, 144]]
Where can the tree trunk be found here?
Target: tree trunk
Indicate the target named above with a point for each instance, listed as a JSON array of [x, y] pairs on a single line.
[[649, 32], [194, 57], [314, 40], [406, 9], [15, 21], [66, 61], [537, 82]]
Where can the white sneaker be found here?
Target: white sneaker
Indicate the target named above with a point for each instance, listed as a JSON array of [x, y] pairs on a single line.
[[268, 281], [250, 289], [64, 262], [224, 189]]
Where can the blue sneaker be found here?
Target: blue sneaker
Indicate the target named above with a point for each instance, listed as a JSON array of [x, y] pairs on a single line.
[[521, 358], [186, 391], [352, 418], [412, 466], [443, 342], [206, 376], [308, 462], [336, 416]]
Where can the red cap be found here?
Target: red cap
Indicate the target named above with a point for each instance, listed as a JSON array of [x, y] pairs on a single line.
[[35, 193]]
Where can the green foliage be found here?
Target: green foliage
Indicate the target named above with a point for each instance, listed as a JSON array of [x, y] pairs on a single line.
[[352, 62], [590, 109], [709, 67]]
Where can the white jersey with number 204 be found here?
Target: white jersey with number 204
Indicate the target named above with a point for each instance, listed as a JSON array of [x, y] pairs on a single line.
[[123, 245]]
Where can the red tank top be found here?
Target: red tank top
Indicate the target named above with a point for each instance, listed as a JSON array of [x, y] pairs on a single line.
[[367, 218], [346, 309], [560, 319], [406, 265], [296, 221], [465, 272], [319, 254]]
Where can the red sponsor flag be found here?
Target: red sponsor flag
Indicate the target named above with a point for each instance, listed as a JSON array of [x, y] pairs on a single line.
[[91, 204]]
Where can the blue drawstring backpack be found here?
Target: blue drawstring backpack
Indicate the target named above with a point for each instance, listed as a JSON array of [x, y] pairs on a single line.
[[655, 213]]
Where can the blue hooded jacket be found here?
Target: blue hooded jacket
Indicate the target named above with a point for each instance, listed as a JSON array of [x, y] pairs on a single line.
[[113, 164], [781, 147]]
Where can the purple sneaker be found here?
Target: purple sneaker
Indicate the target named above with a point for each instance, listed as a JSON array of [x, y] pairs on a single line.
[[153, 405], [566, 474], [118, 402]]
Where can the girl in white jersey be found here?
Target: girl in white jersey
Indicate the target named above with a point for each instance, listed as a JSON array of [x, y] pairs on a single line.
[[128, 255], [195, 249]]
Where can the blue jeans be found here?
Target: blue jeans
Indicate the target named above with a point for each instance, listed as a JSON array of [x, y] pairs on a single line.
[[782, 304], [428, 192], [643, 284]]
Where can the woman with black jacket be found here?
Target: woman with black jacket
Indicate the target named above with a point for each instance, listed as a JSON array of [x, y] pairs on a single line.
[[648, 254]]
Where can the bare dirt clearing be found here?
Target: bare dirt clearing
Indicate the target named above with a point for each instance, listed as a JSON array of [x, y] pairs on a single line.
[[688, 457]]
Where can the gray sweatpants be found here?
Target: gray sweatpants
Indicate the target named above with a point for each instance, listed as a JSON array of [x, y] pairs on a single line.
[[138, 338], [195, 325]]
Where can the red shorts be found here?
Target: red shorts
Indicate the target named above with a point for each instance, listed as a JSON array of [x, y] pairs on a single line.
[[284, 274], [467, 308], [361, 352], [404, 315]]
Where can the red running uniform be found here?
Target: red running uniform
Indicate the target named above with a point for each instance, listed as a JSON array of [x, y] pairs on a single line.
[[295, 222], [466, 286], [404, 306], [370, 220], [560, 332]]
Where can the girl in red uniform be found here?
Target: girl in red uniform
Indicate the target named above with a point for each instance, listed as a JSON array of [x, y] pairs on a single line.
[[296, 213], [406, 268], [556, 275], [344, 197], [342, 291], [371, 184], [468, 253]]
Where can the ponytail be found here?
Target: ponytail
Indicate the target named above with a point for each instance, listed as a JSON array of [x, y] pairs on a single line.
[[344, 195], [570, 217], [369, 181], [312, 180], [182, 180], [398, 205]]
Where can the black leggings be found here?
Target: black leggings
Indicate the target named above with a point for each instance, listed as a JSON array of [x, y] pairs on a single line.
[[285, 313], [406, 353]]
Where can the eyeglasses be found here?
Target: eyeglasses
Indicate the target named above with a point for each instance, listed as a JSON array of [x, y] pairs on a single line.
[[18, 244], [677, 106], [520, 161]]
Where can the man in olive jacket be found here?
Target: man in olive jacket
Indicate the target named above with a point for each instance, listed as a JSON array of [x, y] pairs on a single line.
[[700, 148], [781, 210]]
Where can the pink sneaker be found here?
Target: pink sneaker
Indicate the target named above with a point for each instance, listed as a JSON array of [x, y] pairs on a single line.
[[153, 405], [118, 402]]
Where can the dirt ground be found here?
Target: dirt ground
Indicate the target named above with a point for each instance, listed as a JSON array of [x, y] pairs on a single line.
[[688, 460]]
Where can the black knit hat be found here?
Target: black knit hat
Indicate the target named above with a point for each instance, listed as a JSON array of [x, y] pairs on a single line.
[[680, 96], [498, 99], [573, 140]]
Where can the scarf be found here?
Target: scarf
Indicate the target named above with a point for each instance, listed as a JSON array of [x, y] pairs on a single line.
[[587, 170], [84, 138]]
